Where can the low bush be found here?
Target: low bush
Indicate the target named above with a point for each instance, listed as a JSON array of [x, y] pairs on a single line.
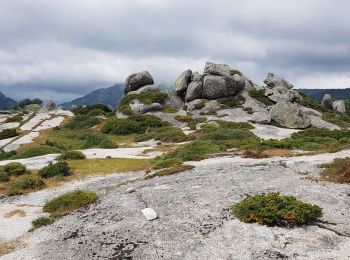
[[107, 144], [96, 140], [60, 146], [69, 202], [72, 155], [85, 110], [82, 122], [4, 176], [259, 95], [168, 163], [144, 97], [232, 102], [26, 184], [15, 169], [16, 118], [337, 171], [275, 210], [42, 221], [169, 134], [8, 133], [55, 169], [234, 125], [96, 112], [184, 119], [35, 151], [169, 110], [131, 125], [6, 155], [337, 119]]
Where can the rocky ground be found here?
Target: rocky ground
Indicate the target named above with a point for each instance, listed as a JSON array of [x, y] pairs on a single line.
[[193, 217]]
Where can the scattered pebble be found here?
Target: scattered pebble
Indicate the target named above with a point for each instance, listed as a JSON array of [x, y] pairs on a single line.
[[149, 214], [129, 190]]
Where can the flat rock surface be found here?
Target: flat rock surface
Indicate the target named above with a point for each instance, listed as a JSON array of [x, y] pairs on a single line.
[[193, 217], [57, 121], [36, 120], [272, 132], [26, 139], [9, 125]]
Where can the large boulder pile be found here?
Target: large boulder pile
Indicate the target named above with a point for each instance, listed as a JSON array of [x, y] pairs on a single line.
[[278, 89], [217, 81], [49, 107]]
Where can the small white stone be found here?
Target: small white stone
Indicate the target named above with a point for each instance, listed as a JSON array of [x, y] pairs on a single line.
[[149, 214]]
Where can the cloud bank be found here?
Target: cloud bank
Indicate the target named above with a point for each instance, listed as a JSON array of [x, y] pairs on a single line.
[[62, 49]]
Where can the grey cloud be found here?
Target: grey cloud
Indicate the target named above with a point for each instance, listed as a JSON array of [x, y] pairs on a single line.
[[67, 48]]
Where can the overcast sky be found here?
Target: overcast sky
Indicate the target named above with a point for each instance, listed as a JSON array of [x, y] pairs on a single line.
[[63, 49]]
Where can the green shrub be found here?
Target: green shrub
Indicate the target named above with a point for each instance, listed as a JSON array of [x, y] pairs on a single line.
[[4, 176], [83, 122], [168, 163], [8, 133], [234, 125], [6, 155], [42, 221], [144, 97], [275, 210], [35, 151], [69, 202], [184, 119], [169, 134], [96, 140], [337, 171], [15, 169], [259, 95], [107, 144], [72, 155], [337, 119], [55, 169], [60, 146], [232, 102], [193, 151], [16, 118], [96, 112], [131, 125], [26, 184], [84, 110], [169, 110]]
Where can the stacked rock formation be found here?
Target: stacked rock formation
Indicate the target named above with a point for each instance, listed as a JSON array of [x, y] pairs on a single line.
[[139, 82], [49, 106], [217, 81]]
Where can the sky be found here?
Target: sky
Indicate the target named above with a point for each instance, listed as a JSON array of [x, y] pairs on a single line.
[[63, 49]]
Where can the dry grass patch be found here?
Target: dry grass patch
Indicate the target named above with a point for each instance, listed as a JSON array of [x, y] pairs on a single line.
[[337, 171], [19, 212], [278, 153], [8, 247], [104, 166]]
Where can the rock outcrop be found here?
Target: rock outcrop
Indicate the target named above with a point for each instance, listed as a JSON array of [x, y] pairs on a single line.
[[146, 88], [139, 108], [49, 106], [327, 101], [278, 89], [287, 114], [138, 80], [339, 106], [217, 81], [273, 81]]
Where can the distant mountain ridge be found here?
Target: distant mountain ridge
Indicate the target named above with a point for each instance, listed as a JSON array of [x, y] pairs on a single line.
[[6, 102], [318, 94], [108, 96]]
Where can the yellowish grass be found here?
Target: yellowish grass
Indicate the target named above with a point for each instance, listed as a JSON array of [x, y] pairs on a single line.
[[8, 247], [19, 212], [105, 166]]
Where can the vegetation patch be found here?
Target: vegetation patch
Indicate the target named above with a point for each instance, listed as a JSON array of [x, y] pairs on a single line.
[[92, 110], [83, 122], [309, 102], [4, 176], [144, 97], [61, 169], [132, 125], [42, 221], [273, 209], [69, 202], [8, 133], [168, 134], [340, 120], [232, 102], [15, 169], [72, 155], [17, 118], [105, 166], [6, 155], [169, 171], [25, 185], [35, 151], [184, 118], [259, 94], [169, 110], [168, 163], [337, 171]]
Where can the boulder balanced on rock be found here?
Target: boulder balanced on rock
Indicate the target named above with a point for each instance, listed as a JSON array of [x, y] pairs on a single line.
[[138, 80]]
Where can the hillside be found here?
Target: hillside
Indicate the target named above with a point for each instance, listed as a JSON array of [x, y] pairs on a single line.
[[107, 96], [6, 102], [319, 93]]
